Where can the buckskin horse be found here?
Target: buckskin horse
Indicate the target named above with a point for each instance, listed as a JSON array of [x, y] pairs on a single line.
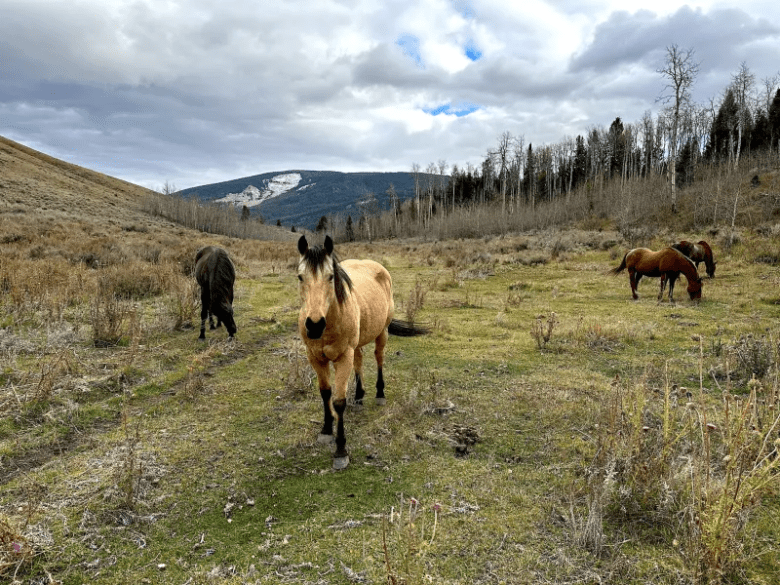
[[344, 306], [667, 264], [215, 274], [698, 252]]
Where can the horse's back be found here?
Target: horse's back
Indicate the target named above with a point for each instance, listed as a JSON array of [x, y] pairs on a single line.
[[213, 262], [372, 286], [642, 260]]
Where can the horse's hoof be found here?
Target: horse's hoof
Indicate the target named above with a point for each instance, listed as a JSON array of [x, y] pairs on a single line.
[[324, 439], [340, 463], [201, 339], [380, 401]]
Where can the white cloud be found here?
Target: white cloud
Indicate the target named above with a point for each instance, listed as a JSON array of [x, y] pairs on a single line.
[[191, 91]]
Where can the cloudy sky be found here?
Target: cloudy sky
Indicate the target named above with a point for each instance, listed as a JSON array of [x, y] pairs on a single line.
[[197, 91]]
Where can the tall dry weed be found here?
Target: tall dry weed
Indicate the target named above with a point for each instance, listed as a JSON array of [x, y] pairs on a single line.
[[696, 467], [415, 301]]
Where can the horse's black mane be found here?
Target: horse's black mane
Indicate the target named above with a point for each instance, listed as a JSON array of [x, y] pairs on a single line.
[[315, 258]]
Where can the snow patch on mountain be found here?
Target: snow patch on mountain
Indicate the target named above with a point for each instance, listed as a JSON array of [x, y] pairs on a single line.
[[270, 188]]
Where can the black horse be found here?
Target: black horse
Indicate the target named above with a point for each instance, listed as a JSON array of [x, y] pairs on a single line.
[[215, 274]]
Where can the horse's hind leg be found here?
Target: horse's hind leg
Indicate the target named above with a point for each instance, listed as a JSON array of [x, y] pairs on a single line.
[[358, 367], [663, 286], [633, 279], [205, 301], [379, 354]]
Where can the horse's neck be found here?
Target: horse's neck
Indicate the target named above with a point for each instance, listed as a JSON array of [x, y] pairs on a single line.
[[690, 269], [342, 312]]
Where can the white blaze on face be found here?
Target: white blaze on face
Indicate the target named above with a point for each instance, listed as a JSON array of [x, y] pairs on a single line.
[[316, 288]]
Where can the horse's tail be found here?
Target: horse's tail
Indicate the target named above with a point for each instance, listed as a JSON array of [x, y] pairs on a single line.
[[405, 328], [622, 266]]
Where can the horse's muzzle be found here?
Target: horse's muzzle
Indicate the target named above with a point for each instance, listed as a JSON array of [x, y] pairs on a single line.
[[315, 330]]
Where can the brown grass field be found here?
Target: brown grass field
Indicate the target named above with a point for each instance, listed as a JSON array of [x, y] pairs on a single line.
[[548, 430]]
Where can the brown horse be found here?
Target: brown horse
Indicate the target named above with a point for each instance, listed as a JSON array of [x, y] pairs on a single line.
[[215, 274], [698, 252], [667, 263], [344, 306]]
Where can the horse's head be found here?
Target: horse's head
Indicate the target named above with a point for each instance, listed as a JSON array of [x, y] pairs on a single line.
[[694, 289], [321, 282]]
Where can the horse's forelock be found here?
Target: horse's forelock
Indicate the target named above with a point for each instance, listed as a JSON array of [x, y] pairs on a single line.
[[319, 261]]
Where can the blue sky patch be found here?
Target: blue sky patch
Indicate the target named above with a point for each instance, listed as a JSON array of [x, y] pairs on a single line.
[[472, 52], [410, 45], [450, 110], [465, 8]]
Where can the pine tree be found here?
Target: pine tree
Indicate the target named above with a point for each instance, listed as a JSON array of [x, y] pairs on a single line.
[[722, 144], [774, 120]]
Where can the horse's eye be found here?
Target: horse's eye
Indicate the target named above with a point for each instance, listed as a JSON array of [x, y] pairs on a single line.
[[300, 278], [330, 278]]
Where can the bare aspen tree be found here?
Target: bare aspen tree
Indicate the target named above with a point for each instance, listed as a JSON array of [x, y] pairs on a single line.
[[500, 157], [770, 83], [454, 181], [742, 84], [394, 204], [681, 71], [519, 156], [416, 177], [168, 188], [430, 184], [442, 168]]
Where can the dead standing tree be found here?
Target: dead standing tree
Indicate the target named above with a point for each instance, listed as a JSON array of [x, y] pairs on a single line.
[[680, 70]]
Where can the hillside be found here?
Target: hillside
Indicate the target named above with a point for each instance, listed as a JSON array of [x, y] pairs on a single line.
[[50, 201], [301, 198], [39, 193]]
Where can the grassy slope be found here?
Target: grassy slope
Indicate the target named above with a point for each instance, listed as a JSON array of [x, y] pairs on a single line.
[[202, 457]]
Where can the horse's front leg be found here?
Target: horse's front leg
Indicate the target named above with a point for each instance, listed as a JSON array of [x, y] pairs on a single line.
[[343, 369], [322, 368], [358, 367]]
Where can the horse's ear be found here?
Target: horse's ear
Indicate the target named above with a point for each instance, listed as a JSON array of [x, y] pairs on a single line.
[[303, 245], [328, 245]]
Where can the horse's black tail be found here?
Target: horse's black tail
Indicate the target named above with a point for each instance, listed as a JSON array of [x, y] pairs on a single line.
[[622, 266], [405, 328]]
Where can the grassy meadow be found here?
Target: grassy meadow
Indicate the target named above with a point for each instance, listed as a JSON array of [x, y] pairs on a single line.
[[547, 430]]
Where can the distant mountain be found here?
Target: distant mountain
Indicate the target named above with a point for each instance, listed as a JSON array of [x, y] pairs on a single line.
[[301, 198]]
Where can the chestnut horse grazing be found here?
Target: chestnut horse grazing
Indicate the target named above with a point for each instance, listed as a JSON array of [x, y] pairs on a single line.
[[698, 252], [667, 263], [215, 274], [344, 306]]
